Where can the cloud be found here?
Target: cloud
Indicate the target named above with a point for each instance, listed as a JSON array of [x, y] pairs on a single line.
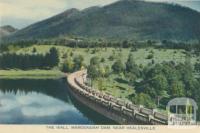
[[36, 10], [40, 9]]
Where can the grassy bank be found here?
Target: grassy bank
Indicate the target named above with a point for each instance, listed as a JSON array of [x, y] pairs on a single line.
[[30, 74]]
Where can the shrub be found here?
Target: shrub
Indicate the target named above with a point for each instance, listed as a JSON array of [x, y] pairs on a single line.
[[150, 56], [102, 59]]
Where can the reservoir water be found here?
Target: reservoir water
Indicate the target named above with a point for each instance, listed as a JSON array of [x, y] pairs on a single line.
[[43, 101]]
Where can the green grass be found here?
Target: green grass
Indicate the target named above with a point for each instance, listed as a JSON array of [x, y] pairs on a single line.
[[12, 74], [140, 55], [112, 85]]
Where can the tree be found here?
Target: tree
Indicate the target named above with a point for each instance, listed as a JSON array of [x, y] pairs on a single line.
[[95, 60], [100, 84], [133, 49], [131, 66], [118, 66], [160, 84], [149, 43], [144, 99], [151, 72], [93, 71], [94, 68], [111, 57], [150, 56], [102, 71], [107, 71], [177, 88], [131, 77], [125, 44], [102, 59], [197, 67], [78, 62], [34, 50], [53, 57], [71, 53], [68, 65]]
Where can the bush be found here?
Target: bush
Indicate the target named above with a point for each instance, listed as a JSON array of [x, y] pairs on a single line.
[[102, 59], [34, 50], [111, 58], [93, 51], [78, 62], [133, 49], [144, 99], [71, 54], [118, 66], [152, 61], [64, 56], [68, 66], [94, 60], [150, 56]]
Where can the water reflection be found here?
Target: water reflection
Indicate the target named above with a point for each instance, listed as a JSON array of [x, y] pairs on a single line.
[[27, 101]]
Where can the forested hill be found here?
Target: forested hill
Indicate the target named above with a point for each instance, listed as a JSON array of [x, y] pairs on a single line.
[[121, 20]]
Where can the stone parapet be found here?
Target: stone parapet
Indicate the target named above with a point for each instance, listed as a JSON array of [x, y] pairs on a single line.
[[127, 112]]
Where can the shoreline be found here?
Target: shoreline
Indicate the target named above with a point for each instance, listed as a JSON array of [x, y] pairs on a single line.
[[31, 74]]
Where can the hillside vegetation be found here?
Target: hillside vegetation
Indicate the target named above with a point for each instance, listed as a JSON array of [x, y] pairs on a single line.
[[124, 19]]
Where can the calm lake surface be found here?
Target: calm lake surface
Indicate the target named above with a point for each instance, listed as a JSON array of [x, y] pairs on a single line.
[[33, 101]]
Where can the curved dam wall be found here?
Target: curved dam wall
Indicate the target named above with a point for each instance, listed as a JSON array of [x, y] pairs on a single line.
[[120, 111]]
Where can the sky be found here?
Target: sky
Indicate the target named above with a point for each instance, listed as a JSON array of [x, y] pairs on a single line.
[[21, 13]]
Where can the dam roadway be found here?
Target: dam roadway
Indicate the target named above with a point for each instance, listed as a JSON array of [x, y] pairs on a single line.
[[120, 111]]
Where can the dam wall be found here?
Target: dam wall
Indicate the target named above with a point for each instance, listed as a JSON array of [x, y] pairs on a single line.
[[122, 112]]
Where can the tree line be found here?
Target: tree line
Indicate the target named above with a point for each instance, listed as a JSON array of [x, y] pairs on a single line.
[[85, 43], [29, 61], [181, 45]]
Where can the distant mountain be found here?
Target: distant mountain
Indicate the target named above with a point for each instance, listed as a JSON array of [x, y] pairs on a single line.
[[120, 20], [6, 30]]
